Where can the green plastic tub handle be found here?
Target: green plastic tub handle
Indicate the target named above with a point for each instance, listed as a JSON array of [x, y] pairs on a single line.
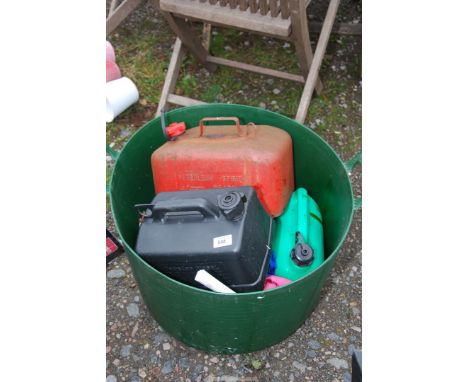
[[349, 165]]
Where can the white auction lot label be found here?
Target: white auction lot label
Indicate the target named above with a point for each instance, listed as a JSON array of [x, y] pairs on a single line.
[[222, 241]]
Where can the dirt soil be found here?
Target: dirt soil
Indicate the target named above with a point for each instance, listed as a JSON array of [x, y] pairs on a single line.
[[137, 349]]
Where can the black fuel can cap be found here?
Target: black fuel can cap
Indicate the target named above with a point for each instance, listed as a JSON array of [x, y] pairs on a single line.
[[302, 254]]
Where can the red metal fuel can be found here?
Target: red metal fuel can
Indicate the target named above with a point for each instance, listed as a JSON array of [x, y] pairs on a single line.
[[223, 156]]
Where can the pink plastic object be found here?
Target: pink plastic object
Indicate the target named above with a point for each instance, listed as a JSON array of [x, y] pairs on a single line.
[[112, 71], [110, 54], [273, 281]]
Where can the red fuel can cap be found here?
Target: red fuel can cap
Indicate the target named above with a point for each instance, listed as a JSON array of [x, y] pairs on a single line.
[[175, 129]]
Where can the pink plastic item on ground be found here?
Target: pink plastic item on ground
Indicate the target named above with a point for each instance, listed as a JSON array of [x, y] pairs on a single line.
[[112, 71], [110, 54], [273, 281]]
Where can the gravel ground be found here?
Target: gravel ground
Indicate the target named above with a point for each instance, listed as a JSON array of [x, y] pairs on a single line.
[[137, 348]]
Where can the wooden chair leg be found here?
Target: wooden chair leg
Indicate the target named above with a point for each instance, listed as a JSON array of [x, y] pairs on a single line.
[[112, 7], [300, 32], [120, 13], [312, 78], [178, 55], [206, 36], [189, 39]]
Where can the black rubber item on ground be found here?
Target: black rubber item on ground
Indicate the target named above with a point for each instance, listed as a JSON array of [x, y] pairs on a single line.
[[356, 366]]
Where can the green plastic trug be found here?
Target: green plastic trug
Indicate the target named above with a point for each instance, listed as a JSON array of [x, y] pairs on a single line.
[[301, 215], [243, 322]]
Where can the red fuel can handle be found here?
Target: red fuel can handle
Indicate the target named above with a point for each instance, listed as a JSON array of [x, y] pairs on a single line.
[[235, 119]]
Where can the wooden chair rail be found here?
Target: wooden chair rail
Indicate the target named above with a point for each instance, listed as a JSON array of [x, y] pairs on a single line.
[[273, 7]]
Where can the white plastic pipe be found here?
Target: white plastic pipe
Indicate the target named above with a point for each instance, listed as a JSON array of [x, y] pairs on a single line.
[[120, 94], [204, 278]]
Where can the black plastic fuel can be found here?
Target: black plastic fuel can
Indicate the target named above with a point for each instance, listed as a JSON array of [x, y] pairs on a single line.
[[225, 231]]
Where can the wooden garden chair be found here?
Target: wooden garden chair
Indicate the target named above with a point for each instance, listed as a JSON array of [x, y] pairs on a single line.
[[118, 11], [283, 19]]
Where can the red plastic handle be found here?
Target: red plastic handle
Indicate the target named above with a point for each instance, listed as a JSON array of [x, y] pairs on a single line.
[[235, 119]]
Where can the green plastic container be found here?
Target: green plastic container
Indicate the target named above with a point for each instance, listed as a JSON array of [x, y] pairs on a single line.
[[243, 322], [302, 215]]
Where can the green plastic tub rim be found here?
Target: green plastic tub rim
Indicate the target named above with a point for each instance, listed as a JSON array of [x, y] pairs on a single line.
[[352, 205]]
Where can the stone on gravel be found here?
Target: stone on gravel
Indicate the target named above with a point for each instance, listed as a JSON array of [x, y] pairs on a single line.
[[184, 363], [166, 346], [314, 344], [125, 351], [276, 91], [338, 363], [115, 273], [347, 377], [167, 368], [262, 105], [299, 366], [311, 353], [142, 373], [214, 359], [333, 336], [125, 133], [229, 378], [160, 338], [135, 329], [133, 310], [197, 370], [111, 378]]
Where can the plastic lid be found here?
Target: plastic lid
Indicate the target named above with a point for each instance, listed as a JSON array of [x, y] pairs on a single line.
[[302, 254], [175, 129], [232, 204]]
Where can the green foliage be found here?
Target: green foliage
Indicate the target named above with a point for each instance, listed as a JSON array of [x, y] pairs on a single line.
[[187, 83], [257, 364], [212, 93]]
